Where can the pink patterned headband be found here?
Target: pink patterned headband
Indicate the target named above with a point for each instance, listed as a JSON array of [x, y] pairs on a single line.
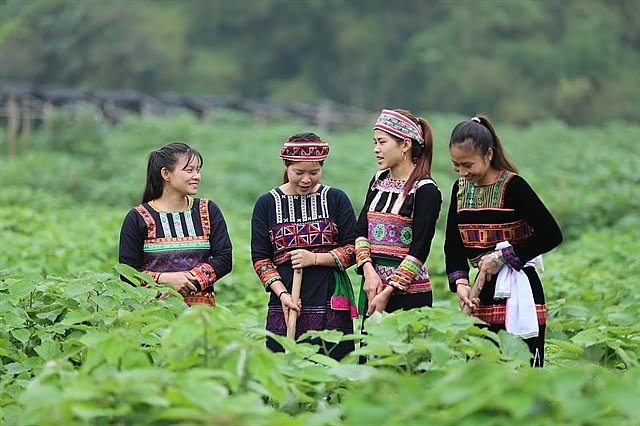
[[304, 151], [398, 125]]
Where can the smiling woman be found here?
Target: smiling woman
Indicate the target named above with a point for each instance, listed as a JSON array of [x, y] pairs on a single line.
[[305, 225], [398, 220], [177, 239], [497, 224]]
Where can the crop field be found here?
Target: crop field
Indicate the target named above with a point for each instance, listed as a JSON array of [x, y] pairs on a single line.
[[79, 346]]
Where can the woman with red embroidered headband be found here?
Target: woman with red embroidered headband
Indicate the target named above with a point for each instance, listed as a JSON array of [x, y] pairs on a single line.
[[398, 218], [498, 224], [179, 240], [305, 224]]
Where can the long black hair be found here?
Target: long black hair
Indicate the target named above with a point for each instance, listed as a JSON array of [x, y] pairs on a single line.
[[165, 157], [480, 132]]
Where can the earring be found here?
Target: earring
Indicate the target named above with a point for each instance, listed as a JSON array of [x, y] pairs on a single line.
[[404, 156]]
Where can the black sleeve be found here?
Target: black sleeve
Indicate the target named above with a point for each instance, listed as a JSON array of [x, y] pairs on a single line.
[[220, 258], [457, 265], [261, 247], [546, 232], [346, 219], [426, 210], [362, 227], [132, 240]]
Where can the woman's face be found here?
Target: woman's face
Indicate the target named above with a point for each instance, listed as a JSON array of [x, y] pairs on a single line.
[[185, 177], [387, 150], [470, 164], [304, 176]]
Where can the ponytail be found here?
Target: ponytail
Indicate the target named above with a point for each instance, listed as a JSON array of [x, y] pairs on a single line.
[[421, 155]]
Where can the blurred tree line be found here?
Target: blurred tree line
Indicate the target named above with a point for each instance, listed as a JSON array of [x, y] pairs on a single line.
[[518, 60]]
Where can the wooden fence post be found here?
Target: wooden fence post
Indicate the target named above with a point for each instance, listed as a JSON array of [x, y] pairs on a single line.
[[13, 118], [324, 115], [25, 131]]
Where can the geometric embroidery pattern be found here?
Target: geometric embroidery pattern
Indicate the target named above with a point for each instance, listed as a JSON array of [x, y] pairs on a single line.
[[421, 282], [488, 235], [496, 314], [289, 236], [389, 234], [471, 197]]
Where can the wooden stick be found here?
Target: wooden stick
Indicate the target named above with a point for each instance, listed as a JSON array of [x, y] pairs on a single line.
[[295, 296], [475, 292]]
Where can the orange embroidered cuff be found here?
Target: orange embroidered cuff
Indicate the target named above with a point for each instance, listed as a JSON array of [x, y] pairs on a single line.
[[363, 251], [405, 273], [205, 275], [267, 272], [344, 256]]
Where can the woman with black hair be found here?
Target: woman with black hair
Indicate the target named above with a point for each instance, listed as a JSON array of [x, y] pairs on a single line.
[[306, 225], [398, 219], [177, 239], [498, 224]]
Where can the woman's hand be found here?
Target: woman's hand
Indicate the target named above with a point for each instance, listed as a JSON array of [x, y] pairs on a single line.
[[302, 258], [287, 305], [464, 291], [182, 282], [490, 264], [372, 282], [380, 300]]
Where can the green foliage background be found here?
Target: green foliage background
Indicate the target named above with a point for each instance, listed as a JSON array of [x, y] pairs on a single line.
[[77, 346], [521, 60]]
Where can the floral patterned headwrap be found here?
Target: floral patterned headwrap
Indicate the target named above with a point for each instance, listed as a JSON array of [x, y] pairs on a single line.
[[398, 125]]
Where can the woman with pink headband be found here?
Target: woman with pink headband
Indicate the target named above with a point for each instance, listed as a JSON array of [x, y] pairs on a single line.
[[398, 219], [303, 224]]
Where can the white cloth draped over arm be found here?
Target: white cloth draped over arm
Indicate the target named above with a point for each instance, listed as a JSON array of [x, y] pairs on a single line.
[[521, 318]]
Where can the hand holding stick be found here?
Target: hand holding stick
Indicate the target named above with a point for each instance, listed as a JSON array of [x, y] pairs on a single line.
[[475, 292], [295, 296]]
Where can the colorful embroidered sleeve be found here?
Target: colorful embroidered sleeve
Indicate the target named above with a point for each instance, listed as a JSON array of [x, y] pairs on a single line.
[[426, 210], [220, 260], [262, 254], [405, 273], [363, 246], [363, 251], [344, 256], [205, 275], [267, 272]]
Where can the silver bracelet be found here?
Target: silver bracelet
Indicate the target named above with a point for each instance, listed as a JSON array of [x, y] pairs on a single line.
[[496, 259]]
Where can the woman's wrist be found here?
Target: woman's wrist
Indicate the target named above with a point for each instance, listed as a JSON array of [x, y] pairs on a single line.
[[462, 282], [498, 259], [283, 292]]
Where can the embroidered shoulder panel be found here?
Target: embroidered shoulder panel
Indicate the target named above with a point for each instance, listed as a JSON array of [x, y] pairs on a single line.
[[148, 219], [472, 197]]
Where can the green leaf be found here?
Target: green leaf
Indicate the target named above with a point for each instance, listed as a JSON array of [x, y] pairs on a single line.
[[22, 288], [513, 347], [352, 371], [16, 368], [48, 350], [76, 316], [113, 348], [21, 334]]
